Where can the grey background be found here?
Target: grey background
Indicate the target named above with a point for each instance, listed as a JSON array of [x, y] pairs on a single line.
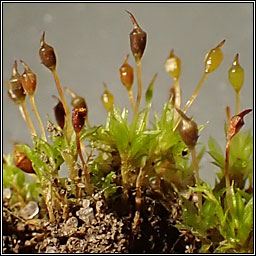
[[91, 41]]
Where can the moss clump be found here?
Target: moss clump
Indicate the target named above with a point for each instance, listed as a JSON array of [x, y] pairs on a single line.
[[132, 187]]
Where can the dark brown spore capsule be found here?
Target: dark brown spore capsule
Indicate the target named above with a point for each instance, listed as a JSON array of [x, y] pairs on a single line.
[[47, 54], [23, 162], [28, 79], [78, 118], [138, 39], [188, 130], [59, 113]]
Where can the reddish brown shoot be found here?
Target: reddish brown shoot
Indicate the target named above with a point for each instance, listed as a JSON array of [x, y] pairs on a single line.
[[78, 120], [228, 114], [235, 124], [138, 199]]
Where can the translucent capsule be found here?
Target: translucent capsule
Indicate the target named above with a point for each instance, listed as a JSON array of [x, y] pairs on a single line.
[[236, 75], [16, 91], [126, 74], [107, 99], [47, 54], [28, 79], [173, 66], [138, 39], [213, 58], [17, 96], [77, 101]]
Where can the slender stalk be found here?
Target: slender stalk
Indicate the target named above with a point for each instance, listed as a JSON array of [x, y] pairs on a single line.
[[227, 179], [22, 112], [228, 114], [83, 148], [78, 193], [195, 93], [65, 105], [49, 203], [87, 176], [139, 81], [139, 182], [33, 104], [28, 119], [65, 207], [175, 92], [227, 166], [237, 102], [197, 178], [130, 94], [125, 169], [178, 93], [193, 97], [138, 198], [176, 98]]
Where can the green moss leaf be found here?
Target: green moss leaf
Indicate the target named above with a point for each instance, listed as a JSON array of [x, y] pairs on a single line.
[[216, 153], [246, 224], [20, 179], [118, 130], [149, 92]]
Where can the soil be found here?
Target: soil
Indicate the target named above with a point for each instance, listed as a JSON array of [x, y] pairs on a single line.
[[95, 226]]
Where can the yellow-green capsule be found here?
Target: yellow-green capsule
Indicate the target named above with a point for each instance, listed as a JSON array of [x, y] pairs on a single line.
[[236, 75], [213, 58], [173, 66], [107, 99]]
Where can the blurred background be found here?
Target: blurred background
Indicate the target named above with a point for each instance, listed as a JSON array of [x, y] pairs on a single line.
[[91, 41]]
